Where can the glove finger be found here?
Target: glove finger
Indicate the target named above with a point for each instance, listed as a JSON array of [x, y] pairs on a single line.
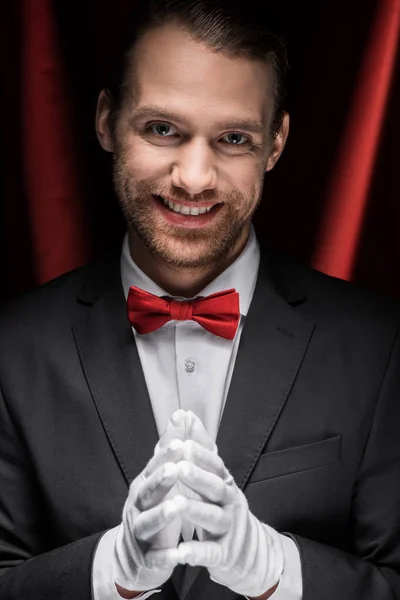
[[206, 459], [205, 554], [170, 454], [152, 521], [154, 489], [175, 429], [161, 559], [210, 517], [197, 432], [209, 486]]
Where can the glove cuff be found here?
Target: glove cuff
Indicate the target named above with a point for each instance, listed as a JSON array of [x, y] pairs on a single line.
[[268, 562], [128, 569]]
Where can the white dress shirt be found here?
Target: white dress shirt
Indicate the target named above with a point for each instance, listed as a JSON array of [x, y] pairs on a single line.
[[185, 366]]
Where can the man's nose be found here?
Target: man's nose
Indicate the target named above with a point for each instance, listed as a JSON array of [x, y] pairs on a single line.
[[194, 169]]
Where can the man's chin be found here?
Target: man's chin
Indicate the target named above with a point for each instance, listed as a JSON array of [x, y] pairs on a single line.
[[178, 248], [175, 259]]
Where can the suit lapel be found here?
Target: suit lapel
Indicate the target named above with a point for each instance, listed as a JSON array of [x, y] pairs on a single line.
[[114, 374], [272, 346]]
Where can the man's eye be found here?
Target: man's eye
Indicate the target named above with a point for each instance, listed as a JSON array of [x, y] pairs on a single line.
[[162, 129], [236, 139]]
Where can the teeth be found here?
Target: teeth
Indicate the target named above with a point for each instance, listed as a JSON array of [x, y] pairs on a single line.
[[185, 210]]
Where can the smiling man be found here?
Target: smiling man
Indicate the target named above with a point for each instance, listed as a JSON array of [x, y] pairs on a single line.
[[191, 146], [198, 416]]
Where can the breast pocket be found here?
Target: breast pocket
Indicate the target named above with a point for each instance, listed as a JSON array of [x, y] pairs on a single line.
[[298, 458]]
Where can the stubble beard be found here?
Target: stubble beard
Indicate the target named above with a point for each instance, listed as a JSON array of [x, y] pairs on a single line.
[[179, 248]]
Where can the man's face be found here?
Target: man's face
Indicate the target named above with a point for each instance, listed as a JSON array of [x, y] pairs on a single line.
[[196, 134]]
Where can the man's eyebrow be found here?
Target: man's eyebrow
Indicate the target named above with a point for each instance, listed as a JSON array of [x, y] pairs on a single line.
[[157, 112]]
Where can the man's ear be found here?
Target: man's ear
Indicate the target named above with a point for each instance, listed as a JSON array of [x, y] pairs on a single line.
[[278, 143], [103, 118]]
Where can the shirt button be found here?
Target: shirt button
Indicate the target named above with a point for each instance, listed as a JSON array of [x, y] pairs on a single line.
[[190, 365]]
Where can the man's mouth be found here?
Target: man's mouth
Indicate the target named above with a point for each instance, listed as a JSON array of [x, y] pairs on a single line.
[[187, 208]]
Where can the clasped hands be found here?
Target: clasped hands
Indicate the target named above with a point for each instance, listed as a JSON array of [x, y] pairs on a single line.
[[186, 480]]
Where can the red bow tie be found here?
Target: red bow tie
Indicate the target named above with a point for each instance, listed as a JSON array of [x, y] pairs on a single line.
[[218, 313]]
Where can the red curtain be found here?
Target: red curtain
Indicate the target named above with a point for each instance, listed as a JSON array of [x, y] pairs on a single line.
[[54, 203], [346, 200], [332, 200]]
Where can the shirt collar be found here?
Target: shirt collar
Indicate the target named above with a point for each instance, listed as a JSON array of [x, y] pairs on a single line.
[[241, 274]]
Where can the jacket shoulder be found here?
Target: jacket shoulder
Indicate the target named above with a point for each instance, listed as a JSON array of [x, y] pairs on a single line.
[[58, 301], [323, 296], [349, 298]]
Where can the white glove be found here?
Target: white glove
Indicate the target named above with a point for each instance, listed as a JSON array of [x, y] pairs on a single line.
[[191, 432], [152, 515], [239, 551]]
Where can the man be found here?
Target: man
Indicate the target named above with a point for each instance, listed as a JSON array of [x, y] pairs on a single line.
[[244, 420]]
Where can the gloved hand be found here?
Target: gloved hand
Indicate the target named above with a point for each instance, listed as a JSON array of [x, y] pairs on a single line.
[[152, 515], [191, 432], [239, 551]]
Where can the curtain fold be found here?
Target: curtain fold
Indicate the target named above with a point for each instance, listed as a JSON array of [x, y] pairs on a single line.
[[347, 196], [55, 202]]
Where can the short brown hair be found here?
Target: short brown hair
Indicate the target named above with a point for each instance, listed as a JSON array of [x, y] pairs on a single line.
[[236, 28]]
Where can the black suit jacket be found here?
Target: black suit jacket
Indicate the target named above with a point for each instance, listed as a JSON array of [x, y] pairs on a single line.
[[310, 431]]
